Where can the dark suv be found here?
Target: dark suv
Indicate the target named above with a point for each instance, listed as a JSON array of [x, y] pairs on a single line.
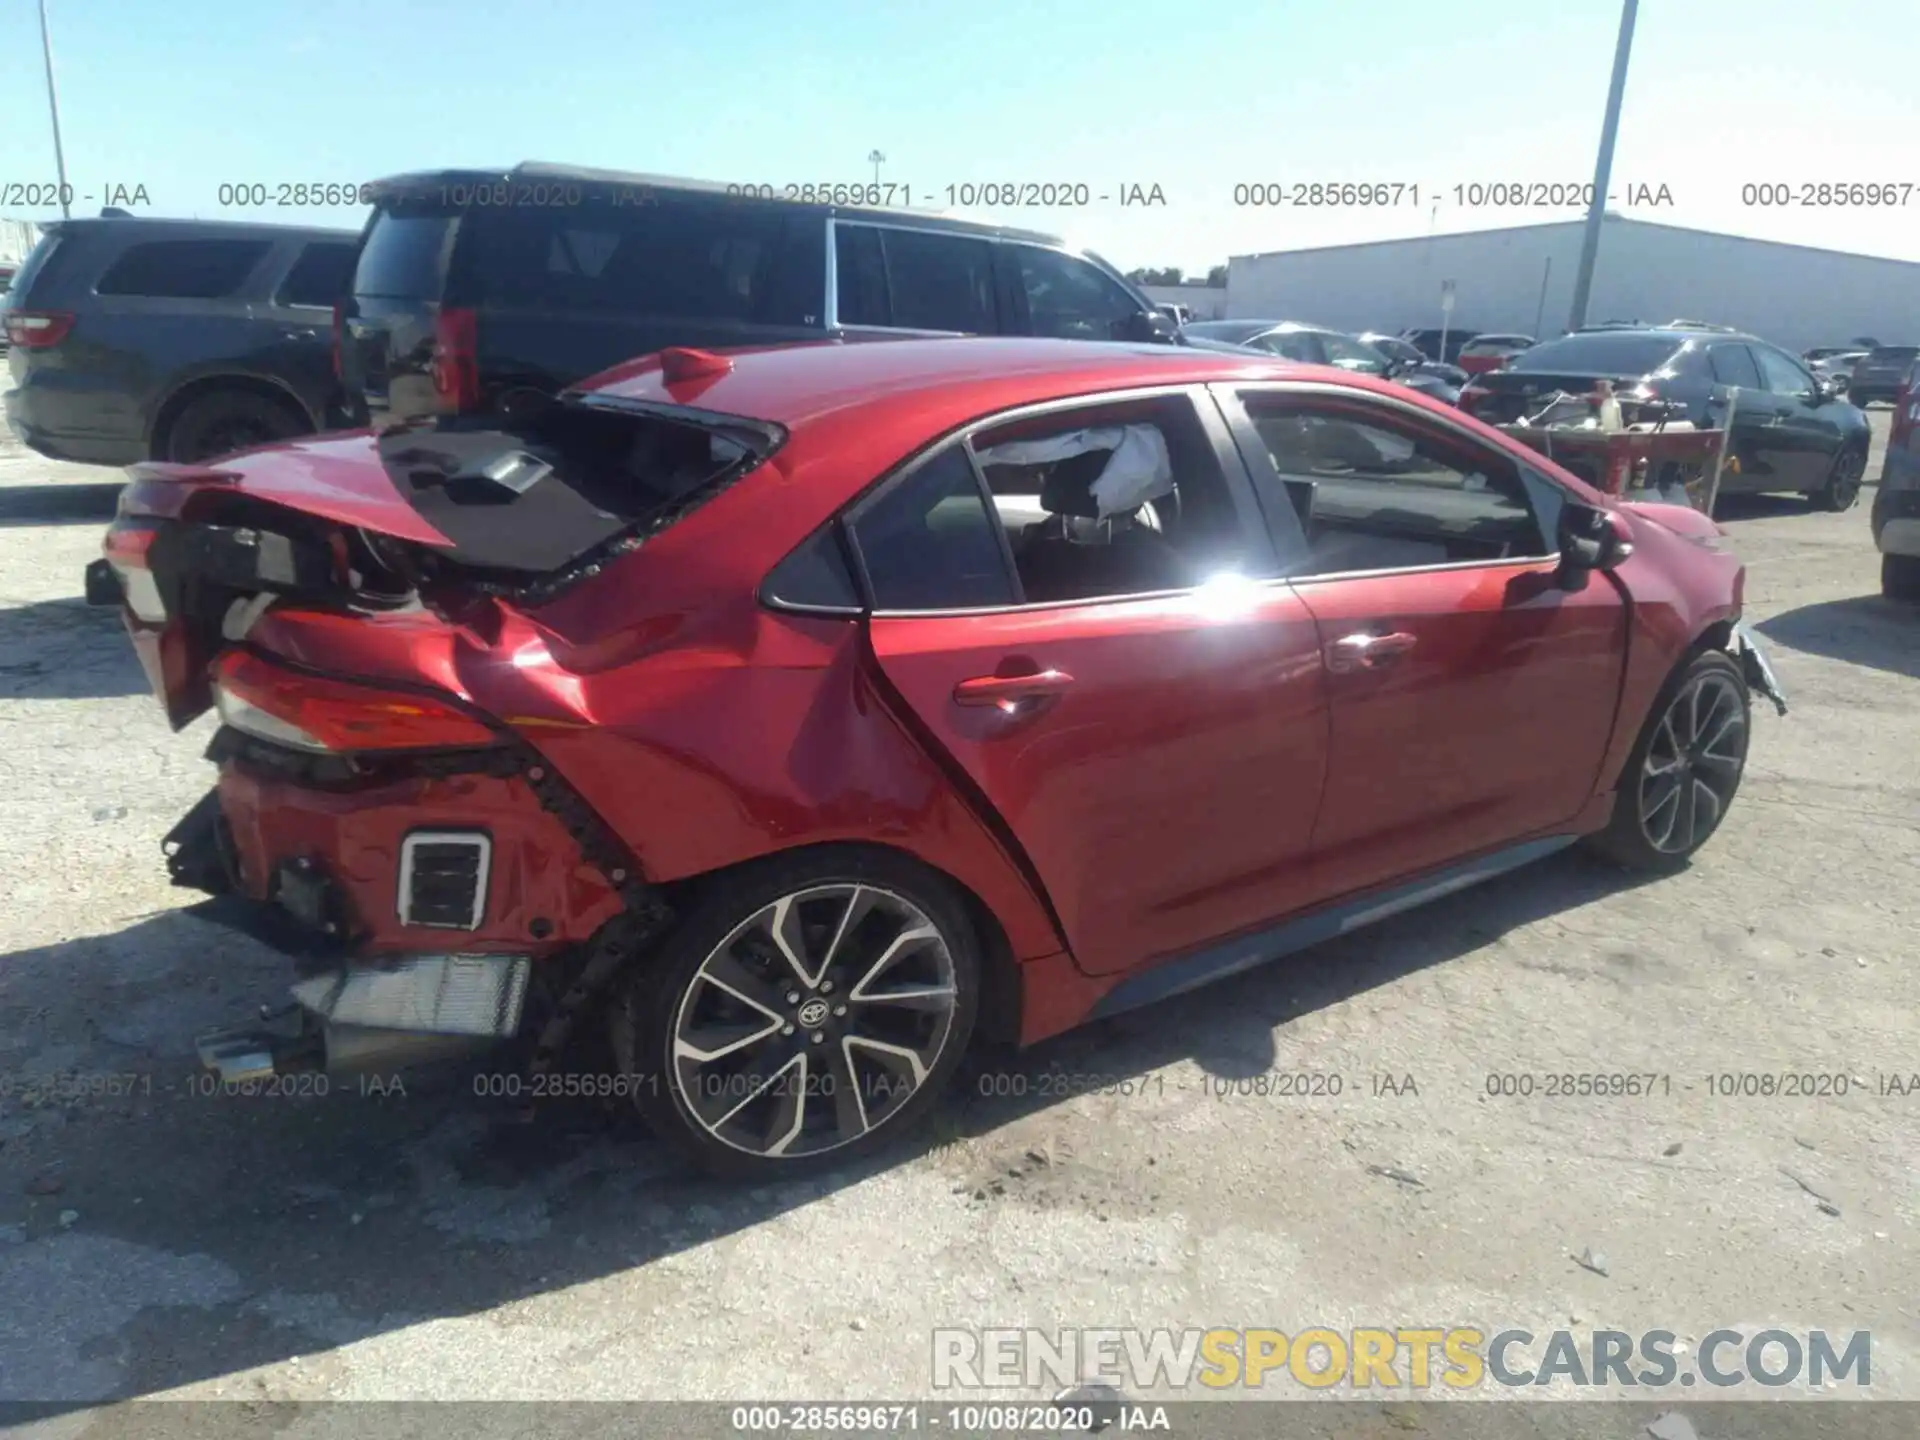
[[134, 339], [1791, 431], [1879, 372], [486, 292]]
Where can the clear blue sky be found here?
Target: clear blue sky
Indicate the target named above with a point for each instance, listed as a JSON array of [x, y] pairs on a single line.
[[1195, 97]]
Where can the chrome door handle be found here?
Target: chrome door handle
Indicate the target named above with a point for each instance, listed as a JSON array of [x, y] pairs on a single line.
[[1351, 653], [1006, 692]]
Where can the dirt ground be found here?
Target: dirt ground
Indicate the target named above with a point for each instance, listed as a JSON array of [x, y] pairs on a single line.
[[155, 1239]]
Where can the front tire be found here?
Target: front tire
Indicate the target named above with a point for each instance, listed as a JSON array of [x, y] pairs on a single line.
[[806, 1010], [1900, 577], [1684, 769], [1842, 489]]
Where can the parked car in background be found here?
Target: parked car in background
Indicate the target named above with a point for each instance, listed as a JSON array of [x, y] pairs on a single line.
[[1791, 430], [935, 656], [1828, 352], [1877, 375], [1317, 345], [1896, 503], [465, 306], [7, 272], [1442, 345], [137, 339], [1490, 352], [1179, 314], [1838, 367], [1411, 356]]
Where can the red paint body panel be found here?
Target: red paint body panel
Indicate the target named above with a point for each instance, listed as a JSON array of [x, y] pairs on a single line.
[[537, 872], [1167, 796], [764, 733], [1489, 728], [1680, 590], [338, 477]]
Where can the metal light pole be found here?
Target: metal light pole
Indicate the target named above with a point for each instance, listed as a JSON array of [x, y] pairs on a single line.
[[1603, 169], [53, 107], [876, 159]]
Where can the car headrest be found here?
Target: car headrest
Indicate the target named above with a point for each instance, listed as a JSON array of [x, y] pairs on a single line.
[[1068, 488]]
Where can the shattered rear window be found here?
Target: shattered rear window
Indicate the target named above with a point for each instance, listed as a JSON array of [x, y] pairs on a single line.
[[533, 496]]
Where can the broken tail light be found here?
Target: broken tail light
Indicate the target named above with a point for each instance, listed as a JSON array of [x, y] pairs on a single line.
[[125, 549], [331, 717]]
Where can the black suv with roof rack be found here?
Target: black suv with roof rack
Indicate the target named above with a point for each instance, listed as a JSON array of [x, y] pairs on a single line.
[[135, 339], [1791, 430], [482, 292]]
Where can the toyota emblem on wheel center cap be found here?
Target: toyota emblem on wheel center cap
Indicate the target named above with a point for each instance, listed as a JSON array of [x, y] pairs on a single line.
[[813, 1012]]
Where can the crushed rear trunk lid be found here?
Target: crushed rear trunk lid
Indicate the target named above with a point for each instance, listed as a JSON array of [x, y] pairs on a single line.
[[433, 514]]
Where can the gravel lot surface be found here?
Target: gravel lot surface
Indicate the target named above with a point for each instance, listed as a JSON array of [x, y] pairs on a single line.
[[163, 1240]]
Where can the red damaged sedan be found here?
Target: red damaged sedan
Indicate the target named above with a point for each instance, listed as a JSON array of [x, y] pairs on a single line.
[[796, 715]]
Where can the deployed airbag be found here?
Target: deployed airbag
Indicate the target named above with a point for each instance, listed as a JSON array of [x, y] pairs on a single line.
[[1139, 469]]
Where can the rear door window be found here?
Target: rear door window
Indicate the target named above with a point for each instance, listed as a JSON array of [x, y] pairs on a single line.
[[182, 269], [321, 276], [692, 260], [932, 280], [929, 542]]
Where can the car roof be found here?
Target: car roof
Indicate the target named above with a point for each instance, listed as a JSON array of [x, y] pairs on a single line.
[[1661, 332], [157, 228], [539, 170], [940, 383]]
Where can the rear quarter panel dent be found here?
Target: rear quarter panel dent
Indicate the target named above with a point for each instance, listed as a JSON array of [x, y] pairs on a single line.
[[708, 756]]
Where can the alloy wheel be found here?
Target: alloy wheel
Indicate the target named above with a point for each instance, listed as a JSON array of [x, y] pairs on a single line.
[[1693, 766], [814, 1021]]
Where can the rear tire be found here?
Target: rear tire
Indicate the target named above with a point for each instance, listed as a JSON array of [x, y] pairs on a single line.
[[1900, 577], [224, 421], [1684, 770], [1842, 489], [765, 1059]]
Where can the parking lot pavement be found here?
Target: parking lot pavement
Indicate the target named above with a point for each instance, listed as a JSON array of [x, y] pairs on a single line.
[[156, 1238]]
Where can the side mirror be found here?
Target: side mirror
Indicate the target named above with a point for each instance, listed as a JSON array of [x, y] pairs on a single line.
[[1150, 326], [1590, 539]]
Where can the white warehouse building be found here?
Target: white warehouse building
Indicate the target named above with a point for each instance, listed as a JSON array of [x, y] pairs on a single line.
[[1521, 279]]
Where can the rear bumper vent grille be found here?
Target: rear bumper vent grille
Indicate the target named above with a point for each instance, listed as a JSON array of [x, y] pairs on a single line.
[[443, 878]]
